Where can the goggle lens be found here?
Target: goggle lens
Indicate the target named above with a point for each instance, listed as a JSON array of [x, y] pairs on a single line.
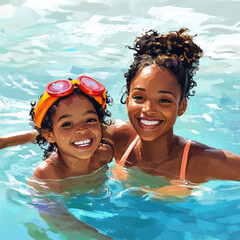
[[91, 86], [59, 88]]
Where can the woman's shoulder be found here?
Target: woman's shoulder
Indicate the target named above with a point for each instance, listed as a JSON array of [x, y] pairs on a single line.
[[120, 127], [210, 162], [202, 150], [120, 132]]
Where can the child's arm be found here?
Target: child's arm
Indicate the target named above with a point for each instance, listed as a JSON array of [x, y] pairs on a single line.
[[63, 221], [17, 139], [57, 216]]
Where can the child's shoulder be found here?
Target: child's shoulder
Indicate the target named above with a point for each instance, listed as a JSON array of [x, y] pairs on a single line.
[[47, 169]]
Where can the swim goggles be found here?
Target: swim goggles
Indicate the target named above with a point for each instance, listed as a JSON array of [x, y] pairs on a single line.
[[64, 87]]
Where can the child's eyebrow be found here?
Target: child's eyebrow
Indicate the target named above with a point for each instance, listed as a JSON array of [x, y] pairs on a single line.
[[84, 114], [64, 116], [89, 112]]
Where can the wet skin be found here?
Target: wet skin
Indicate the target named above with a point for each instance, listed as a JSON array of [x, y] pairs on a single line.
[[77, 133], [153, 105], [76, 128]]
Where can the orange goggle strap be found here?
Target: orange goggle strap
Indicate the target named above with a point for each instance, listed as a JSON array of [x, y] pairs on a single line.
[[46, 101]]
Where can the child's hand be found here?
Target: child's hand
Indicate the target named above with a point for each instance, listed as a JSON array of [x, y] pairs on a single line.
[[177, 188], [102, 155]]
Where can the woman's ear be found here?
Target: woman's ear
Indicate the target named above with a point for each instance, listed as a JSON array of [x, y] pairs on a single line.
[[183, 106], [48, 135], [127, 100]]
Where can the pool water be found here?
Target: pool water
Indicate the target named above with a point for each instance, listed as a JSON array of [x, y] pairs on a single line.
[[41, 41]]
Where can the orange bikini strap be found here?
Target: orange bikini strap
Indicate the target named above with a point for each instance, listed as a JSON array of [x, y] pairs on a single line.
[[184, 160], [128, 151]]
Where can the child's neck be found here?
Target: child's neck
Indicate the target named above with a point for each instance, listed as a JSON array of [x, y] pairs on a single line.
[[74, 166]]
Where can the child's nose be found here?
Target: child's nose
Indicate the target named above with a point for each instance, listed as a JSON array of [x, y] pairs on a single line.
[[81, 130]]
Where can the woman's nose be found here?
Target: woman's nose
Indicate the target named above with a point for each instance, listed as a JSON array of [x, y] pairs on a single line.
[[149, 108]]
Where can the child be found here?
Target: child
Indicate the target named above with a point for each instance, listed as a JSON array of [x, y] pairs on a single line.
[[158, 84], [69, 117]]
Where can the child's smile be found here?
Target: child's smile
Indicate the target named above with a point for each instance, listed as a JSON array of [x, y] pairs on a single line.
[[83, 143], [76, 128]]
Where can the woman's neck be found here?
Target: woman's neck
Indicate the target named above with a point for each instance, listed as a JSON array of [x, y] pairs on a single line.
[[159, 149]]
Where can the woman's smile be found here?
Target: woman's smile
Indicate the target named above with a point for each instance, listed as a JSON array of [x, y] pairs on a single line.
[[153, 102], [148, 123]]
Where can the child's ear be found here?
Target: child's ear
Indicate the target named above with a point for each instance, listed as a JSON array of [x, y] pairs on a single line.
[[183, 106], [48, 135]]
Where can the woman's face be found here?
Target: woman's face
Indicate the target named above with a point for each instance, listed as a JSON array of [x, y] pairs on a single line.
[[76, 127], [153, 103]]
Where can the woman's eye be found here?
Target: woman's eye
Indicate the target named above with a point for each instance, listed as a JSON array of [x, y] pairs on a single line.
[[137, 97], [66, 124], [164, 100]]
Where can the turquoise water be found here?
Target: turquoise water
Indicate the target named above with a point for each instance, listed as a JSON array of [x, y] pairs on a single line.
[[41, 41]]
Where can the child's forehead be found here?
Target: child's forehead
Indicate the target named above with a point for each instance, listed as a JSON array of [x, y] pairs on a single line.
[[76, 102]]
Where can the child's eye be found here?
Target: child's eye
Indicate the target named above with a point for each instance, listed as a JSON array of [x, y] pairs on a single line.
[[91, 120], [66, 124], [164, 100]]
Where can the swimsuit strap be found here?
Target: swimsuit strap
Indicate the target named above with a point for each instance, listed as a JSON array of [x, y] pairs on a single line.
[[128, 151], [182, 174]]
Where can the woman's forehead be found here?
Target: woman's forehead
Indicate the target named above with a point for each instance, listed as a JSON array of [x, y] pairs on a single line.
[[154, 78]]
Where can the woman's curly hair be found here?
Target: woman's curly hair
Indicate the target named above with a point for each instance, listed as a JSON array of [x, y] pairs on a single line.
[[174, 51], [48, 124]]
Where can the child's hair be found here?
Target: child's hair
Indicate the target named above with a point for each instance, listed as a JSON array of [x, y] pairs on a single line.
[[48, 124], [174, 51]]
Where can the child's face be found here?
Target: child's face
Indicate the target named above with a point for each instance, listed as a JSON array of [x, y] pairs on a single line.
[[153, 103], [76, 128]]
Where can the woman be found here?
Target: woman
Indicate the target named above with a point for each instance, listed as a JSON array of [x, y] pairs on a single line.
[[158, 84]]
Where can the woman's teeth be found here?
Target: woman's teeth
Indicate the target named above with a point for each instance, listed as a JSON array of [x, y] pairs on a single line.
[[149, 123], [83, 143]]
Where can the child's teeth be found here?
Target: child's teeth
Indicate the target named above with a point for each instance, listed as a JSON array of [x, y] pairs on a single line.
[[83, 143], [145, 122]]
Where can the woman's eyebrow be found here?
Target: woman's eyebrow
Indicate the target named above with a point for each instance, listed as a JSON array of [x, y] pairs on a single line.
[[140, 89], [162, 91]]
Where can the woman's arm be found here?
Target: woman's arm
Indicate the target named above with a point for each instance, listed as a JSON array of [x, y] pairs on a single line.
[[17, 139]]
